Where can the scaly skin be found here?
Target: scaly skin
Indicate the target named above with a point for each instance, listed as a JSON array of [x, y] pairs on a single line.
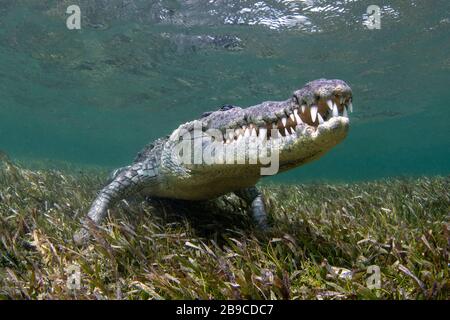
[[299, 130]]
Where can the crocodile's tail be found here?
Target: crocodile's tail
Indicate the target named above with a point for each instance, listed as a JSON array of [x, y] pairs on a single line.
[[124, 182]]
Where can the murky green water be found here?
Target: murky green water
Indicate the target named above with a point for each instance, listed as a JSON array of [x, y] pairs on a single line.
[[136, 69]]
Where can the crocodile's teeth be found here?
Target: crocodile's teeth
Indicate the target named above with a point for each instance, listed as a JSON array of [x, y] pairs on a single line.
[[284, 121], [350, 106], [344, 113], [274, 132], [239, 137], [335, 110], [262, 133], [253, 134], [292, 117], [313, 113], [247, 133], [330, 104], [237, 132], [297, 117], [286, 132], [303, 108], [320, 118], [341, 100], [230, 135]]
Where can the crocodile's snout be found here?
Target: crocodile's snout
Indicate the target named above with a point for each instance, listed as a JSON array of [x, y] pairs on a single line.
[[316, 103], [320, 101]]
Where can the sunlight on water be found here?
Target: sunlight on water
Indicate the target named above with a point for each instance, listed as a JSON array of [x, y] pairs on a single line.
[[137, 69]]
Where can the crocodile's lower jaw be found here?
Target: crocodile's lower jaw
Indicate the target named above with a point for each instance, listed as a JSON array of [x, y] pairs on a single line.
[[308, 142]]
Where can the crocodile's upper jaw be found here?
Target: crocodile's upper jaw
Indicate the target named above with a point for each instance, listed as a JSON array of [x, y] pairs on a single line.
[[302, 128]]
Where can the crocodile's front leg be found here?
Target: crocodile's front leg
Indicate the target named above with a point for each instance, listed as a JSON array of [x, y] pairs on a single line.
[[127, 181], [255, 199]]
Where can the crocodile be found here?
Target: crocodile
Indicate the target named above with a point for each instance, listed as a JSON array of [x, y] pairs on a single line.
[[290, 132]]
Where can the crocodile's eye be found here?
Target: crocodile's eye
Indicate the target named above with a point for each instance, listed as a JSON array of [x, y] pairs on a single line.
[[226, 107], [205, 114], [222, 108]]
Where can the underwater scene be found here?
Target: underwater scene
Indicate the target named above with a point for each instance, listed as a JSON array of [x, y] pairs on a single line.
[[351, 95]]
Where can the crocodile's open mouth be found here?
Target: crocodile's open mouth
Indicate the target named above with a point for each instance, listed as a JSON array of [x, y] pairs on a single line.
[[320, 108], [296, 118], [314, 115]]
